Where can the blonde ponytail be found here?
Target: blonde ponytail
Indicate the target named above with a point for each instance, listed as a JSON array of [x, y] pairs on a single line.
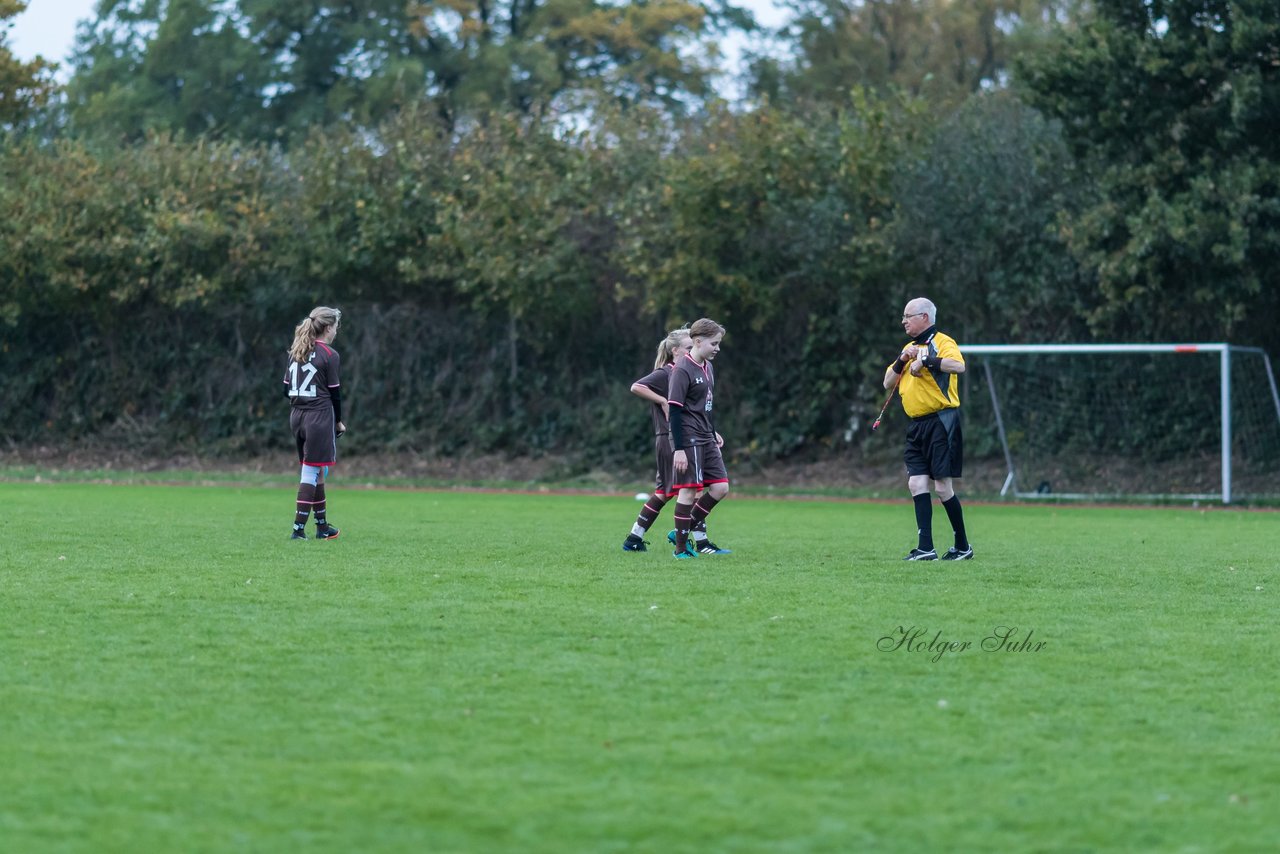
[[313, 327], [667, 347]]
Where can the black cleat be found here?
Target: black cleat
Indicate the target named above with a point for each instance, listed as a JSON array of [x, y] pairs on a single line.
[[921, 554], [634, 544], [706, 547], [954, 553], [298, 533], [329, 533]]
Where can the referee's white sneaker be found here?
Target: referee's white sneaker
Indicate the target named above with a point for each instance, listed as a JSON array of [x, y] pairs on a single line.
[[921, 554]]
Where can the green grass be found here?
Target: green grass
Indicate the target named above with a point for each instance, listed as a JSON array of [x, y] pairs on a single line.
[[463, 672], [595, 482]]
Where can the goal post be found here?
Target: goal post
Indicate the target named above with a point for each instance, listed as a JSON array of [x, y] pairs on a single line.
[[1148, 421]]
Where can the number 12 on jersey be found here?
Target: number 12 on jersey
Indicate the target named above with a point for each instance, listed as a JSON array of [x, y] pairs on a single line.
[[305, 388]]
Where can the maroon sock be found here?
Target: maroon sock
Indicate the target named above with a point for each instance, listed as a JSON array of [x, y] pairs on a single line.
[[649, 513], [703, 507], [306, 500], [683, 523], [322, 523]]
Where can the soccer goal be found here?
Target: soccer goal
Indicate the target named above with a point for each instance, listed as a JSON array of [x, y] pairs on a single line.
[[1145, 421]]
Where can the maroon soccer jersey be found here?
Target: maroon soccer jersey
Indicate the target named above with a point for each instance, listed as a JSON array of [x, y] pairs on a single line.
[[692, 387], [658, 382], [309, 383]]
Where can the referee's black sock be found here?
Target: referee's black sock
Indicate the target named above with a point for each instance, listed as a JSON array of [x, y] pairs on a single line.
[[924, 520], [956, 515]]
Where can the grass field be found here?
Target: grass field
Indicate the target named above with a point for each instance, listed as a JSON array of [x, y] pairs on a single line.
[[484, 672]]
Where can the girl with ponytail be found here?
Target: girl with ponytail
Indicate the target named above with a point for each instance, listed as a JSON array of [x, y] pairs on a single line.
[[701, 480], [311, 384], [653, 388]]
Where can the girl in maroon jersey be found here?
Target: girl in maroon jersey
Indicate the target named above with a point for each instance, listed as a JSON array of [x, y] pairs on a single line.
[[697, 459], [312, 386], [653, 388]]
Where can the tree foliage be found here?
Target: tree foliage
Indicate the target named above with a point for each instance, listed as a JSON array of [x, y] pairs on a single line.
[[939, 49], [773, 224], [978, 218], [501, 269], [25, 87], [181, 66], [272, 69], [525, 55], [1175, 104], [494, 281]]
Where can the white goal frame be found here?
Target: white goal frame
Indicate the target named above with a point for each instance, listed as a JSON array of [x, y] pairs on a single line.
[[1223, 350]]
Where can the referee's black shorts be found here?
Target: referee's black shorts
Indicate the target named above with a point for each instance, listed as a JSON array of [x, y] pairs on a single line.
[[935, 445]]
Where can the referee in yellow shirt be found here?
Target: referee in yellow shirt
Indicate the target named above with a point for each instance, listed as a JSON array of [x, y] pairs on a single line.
[[928, 376]]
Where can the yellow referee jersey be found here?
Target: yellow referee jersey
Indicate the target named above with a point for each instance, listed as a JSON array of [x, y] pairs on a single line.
[[933, 390]]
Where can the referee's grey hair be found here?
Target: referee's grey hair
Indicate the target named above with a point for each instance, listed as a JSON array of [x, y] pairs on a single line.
[[926, 305]]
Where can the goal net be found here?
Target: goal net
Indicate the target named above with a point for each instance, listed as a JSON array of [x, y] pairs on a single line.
[[1185, 421]]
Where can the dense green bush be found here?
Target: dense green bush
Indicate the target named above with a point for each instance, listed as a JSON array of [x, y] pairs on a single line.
[[502, 286]]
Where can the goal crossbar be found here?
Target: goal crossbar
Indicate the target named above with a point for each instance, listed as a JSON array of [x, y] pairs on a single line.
[[1223, 350], [1013, 349]]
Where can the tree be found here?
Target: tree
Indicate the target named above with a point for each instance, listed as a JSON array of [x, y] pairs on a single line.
[[24, 86], [1175, 106], [180, 66], [977, 219], [334, 62], [938, 49], [526, 55], [268, 69], [773, 223]]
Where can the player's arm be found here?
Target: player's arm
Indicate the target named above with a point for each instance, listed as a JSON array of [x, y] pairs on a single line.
[[331, 370], [653, 388], [651, 396], [675, 418], [335, 395], [648, 394]]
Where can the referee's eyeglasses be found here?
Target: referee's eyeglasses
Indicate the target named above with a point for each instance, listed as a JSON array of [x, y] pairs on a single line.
[[917, 314]]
